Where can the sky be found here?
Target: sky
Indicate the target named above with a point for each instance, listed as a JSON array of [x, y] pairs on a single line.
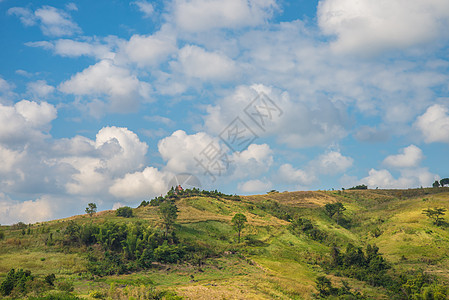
[[112, 101]]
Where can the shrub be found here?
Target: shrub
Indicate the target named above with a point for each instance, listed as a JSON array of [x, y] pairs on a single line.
[[15, 280], [2, 235], [66, 286], [50, 279], [125, 211]]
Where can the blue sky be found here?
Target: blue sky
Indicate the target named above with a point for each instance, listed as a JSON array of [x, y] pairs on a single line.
[[107, 101]]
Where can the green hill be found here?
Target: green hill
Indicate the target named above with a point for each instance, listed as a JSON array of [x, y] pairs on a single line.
[[381, 246]]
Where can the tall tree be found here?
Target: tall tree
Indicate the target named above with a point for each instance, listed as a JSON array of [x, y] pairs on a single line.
[[91, 209], [238, 222], [435, 214], [436, 184], [444, 181], [334, 209], [169, 213]]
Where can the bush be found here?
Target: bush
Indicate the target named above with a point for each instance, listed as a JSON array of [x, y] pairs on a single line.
[[2, 235], [66, 286], [15, 280], [50, 279], [125, 211]]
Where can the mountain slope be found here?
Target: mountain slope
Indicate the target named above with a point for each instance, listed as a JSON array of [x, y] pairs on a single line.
[[274, 260]]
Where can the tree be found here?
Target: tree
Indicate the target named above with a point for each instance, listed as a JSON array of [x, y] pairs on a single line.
[[238, 222], [125, 211], [169, 213], [91, 209], [334, 209], [436, 184], [444, 181], [435, 214]]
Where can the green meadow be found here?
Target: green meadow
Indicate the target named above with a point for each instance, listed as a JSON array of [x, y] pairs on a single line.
[[289, 243]]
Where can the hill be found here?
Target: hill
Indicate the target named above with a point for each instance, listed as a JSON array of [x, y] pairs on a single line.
[[296, 245]]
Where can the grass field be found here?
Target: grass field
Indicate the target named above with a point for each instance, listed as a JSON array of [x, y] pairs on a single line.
[[270, 263]]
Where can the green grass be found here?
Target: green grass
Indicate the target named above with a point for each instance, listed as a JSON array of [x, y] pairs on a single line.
[[271, 262]]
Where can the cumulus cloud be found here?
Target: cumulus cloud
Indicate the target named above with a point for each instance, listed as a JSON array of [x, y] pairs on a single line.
[[301, 124], [180, 150], [149, 50], [52, 21], [372, 26], [434, 124], [40, 88], [253, 161], [198, 63], [410, 156], [407, 179], [287, 173], [27, 211], [122, 88], [140, 185], [115, 152], [203, 15], [26, 120], [332, 162], [254, 186]]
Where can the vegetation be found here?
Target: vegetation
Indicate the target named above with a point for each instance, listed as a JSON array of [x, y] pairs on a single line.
[[169, 213], [351, 244], [238, 221], [125, 211], [444, 181], [359, 187], [91, 209], [435, 214]]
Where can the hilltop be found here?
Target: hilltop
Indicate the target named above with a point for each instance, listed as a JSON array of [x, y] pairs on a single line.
[[294, 246]]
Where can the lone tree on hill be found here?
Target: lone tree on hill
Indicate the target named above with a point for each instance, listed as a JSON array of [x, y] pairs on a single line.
[[169, 213], [238, 222], [435, 214], [91, 209], [444, 181], [334, 209]]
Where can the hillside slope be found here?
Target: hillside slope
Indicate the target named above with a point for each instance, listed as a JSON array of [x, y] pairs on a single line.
[[287, 244]]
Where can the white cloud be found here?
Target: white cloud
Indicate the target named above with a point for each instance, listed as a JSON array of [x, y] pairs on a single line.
[[289, 174], [370, 26], [145, 7], [140, 185], [409, 157], [434, 124], [9, 159], [410, 178], [203, 15], [180, 150], [25, 15], [26, 120], [53, 22], [28, 211], [72, 48], [253, 186], [115, 152], [149, 50], [332, 162], [105, 78], [198, 63], [302, 124], [40, 88], [71, 6], [253, 161]]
